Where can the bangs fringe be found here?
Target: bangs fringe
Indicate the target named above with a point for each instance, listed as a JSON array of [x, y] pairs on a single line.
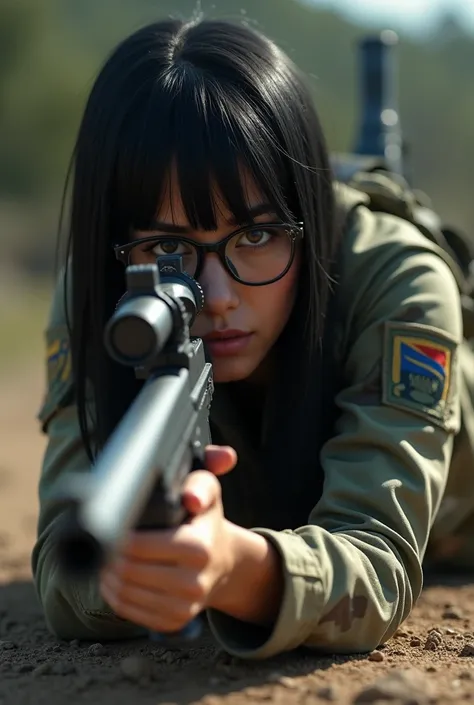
[[210, 137]]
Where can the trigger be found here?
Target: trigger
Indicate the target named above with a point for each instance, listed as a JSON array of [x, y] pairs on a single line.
[[199, 456]]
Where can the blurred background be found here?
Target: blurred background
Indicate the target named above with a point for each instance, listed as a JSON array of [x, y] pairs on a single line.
[[50, 52]]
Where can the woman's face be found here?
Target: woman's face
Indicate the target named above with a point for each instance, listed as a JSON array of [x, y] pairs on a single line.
[[239, 323]]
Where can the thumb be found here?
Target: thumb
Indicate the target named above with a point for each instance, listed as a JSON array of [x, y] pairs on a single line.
[[220, 459], [200, 491]]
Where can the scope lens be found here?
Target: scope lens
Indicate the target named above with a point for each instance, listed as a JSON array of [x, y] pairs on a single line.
[[132, 338]]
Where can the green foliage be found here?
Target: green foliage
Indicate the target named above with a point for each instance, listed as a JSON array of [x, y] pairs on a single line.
[[50, 52]]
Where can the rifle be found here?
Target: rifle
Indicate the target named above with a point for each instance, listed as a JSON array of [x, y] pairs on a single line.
[[137, 479]]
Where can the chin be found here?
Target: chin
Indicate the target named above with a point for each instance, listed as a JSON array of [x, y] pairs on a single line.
[[232, 370]]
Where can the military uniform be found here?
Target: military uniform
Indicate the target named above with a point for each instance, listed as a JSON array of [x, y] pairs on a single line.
[[353, 571]]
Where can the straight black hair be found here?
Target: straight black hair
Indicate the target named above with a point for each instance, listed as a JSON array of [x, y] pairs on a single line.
[[207, 97]]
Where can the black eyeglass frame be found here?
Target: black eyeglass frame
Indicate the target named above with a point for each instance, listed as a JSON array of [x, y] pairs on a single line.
[[295, 233]]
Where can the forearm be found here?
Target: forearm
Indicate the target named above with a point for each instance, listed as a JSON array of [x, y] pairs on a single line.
[[253, 591]]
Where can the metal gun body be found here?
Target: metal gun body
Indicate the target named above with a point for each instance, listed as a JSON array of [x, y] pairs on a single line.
[[137, 480]]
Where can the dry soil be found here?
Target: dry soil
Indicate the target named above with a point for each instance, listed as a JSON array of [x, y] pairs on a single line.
[[431, 659]]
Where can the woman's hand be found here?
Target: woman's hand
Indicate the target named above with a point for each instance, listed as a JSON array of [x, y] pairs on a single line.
[[163, 579]]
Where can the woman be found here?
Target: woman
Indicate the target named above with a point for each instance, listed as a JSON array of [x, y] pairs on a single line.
[[333, 333]]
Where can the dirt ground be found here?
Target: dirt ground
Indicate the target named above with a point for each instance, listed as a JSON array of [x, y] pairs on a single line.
[[431, 660]]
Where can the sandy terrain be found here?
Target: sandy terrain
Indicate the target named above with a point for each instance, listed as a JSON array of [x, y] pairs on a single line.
[[418, 666]]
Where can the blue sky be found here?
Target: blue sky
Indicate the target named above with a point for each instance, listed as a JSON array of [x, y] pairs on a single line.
[[413, 16]]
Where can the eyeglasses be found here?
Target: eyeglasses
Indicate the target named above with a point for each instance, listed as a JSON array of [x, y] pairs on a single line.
[[255, 255]]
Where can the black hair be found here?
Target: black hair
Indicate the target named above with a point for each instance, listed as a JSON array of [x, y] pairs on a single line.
[[207, 97]]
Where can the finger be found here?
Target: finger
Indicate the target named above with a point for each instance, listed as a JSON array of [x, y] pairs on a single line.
[[150, 609], [220, 459], [181, 582], [179, 546], [201, 490]]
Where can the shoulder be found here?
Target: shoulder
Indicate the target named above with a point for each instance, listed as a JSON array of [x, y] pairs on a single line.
[[380, 235], [400, 317], [386, 259]]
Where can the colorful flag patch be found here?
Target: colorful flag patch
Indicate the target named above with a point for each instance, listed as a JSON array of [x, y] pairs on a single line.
[[418, 366]]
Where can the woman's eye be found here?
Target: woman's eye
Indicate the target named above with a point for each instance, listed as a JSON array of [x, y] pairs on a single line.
[[255, 237], [168, 247]]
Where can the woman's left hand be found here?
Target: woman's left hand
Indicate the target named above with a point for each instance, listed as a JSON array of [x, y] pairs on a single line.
[[163, 579]]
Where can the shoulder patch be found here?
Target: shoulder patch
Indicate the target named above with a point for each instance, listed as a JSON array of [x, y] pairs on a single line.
[[418, 370], [59, 361], [58, 374]]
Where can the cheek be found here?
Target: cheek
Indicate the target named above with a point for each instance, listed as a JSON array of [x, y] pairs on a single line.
[[273, 304]]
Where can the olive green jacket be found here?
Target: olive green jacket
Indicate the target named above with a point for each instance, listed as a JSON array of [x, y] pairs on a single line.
[[354, 571]]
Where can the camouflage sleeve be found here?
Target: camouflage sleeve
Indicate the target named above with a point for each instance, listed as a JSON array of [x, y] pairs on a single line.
[[353, 574], [72, 609]]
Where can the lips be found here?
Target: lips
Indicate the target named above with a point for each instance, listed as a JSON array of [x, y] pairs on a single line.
[[227, 342], [225, 334]]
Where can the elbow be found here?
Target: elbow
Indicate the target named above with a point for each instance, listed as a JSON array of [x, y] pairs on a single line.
[[74, 610], [68, 621], [63, 614], [60, 610], [359, 623], [62, 618]]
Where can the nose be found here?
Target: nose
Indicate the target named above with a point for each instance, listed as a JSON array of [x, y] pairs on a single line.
[[219, 288]]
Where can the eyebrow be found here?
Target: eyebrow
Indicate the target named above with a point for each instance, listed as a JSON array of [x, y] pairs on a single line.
[[253, 212]]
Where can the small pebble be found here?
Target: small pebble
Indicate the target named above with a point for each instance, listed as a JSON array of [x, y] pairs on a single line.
[[52, 648], [7, 646], [74, 643], [435, 632], [288, 682], [415, 641], [465, 676], [376, 656], [211, 700], [135, 667], [400, 633], [433, 640], [468, 650], [327, 693], [169, 657], [97, 650], [44, 669], [452, 614]]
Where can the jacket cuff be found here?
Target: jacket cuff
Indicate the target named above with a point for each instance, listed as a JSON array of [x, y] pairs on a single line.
[[301, 606]]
